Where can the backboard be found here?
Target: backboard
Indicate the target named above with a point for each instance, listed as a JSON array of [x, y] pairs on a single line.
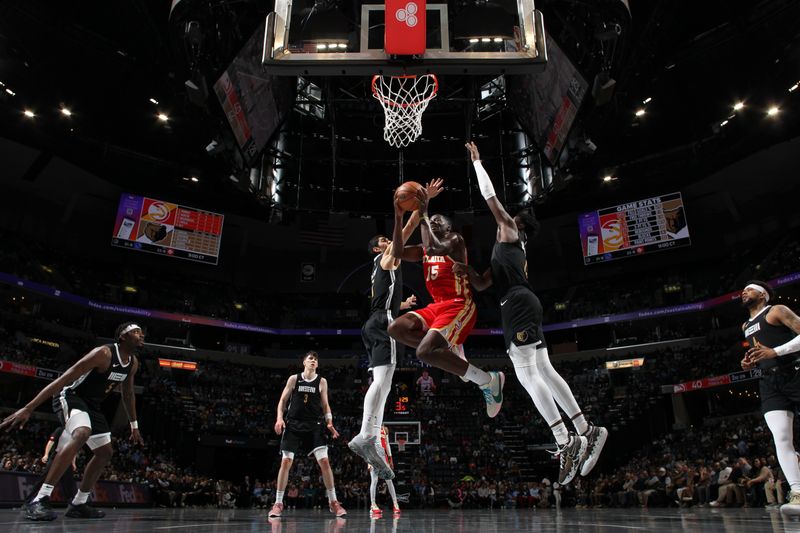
[[346, 38]]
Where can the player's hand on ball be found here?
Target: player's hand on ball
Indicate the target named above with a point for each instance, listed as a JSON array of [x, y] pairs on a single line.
[[474, 155], [398, 209], [760, 353], [435, 187], [422, 198], [334, 433], [280, 425]]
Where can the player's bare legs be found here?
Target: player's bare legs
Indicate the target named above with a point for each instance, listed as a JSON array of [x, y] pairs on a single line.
[[407, 329]]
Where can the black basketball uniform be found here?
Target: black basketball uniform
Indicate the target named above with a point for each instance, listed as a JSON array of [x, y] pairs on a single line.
[[779, 387], [88, 392], [387, 294], [303, 432], [520, 309]]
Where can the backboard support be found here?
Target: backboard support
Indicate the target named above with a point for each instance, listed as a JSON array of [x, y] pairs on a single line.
[[285, 55]]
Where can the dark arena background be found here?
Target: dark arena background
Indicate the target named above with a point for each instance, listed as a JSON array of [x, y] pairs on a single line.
[[213, 171]]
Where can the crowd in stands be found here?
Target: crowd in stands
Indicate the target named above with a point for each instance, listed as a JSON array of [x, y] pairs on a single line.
[[172, 292]]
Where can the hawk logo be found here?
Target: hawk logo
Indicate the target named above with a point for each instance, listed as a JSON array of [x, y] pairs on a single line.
[[117, 376], [522, 336], [408, 15]]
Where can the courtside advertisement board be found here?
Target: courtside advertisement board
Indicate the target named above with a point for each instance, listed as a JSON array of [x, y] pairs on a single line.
[[164, 228], [634, 228]]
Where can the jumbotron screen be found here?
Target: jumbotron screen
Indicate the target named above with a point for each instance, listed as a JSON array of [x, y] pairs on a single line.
[[160, 227], [634, 228]]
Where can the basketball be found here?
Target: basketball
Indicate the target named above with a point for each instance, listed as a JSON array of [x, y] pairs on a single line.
[[407, 195]]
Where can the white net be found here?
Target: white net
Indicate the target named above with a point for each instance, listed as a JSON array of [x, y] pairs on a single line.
[[404, 99]]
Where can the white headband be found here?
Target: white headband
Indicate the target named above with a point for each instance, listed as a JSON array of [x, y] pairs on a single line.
[[759, 288], [129, 329]]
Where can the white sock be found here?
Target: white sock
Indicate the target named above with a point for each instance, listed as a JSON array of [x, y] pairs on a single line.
[[80, 498], [392, 492], [373, 486], [580, 423], [331, 495], [375, 400], [780, 424], [477, 376], [560, 432], [279, 496], [46, 490]]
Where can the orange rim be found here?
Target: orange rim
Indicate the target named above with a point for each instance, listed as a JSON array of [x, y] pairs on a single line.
[[386, 101]]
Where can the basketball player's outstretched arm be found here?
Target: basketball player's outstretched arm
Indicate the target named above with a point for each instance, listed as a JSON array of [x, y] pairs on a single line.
[[129, 401], [785, 316], [505, 223], [480, 282], [326, 407], [280, 425], [98, 358]]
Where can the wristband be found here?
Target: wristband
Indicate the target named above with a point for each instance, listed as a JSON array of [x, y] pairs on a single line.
[[328, 417], [134, 425]]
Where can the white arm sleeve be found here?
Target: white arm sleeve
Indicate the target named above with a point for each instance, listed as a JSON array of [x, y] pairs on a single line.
[[484, 182], [790, 347]]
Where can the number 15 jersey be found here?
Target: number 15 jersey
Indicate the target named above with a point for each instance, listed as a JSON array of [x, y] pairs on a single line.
[[441, 282]]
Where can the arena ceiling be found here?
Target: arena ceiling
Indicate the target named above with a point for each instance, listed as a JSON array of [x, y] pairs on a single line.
[[109, 62]]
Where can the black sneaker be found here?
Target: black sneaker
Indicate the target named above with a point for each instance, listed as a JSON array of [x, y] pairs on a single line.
[[83, 511], [596, 436], [40, 511]]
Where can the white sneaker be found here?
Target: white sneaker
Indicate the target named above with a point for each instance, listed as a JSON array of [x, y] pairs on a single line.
[[596, 436], [792, 507], [367, 449], [493, 393]]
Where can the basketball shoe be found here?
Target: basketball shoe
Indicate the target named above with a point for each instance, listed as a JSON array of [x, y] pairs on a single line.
[[493, 393], [368, 449], [792, 507], [596, 436], [276, 510], [569, 456]]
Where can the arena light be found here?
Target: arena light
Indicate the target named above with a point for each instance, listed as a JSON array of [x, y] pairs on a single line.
[[773, 111], [66, 112], [738, 106], [640, 112], [195, 179], [154, 101], [723, 122], [163, 117], [180, 365], [130, 289], [647, 100], [793, 88], [28, 113], [10, 92], [608, 177]]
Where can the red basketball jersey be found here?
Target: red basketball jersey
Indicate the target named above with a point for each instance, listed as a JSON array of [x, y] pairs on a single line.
[[440, 280], [405, 27]]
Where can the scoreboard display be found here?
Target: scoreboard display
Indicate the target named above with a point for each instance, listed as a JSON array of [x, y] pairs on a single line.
[[634, 228], [165, 228], [403, 393]]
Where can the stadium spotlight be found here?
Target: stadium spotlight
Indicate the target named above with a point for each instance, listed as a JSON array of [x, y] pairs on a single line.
[[66, 112], [28, 113], [640, 112], [738, 106], [773, 111], [163, 117]]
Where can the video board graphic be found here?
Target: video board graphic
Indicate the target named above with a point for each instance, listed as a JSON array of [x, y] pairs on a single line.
[[165, 228], [634, 228]]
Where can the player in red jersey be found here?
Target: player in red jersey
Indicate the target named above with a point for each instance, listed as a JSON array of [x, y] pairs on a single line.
[[439, 330], [375, 511]]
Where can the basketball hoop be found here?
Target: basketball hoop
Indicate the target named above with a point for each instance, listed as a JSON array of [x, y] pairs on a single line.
[[401, 445], [404, 99]]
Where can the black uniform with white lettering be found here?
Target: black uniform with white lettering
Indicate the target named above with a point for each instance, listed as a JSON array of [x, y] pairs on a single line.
[[779, 387], [88, 392], [387, 294], [303, 433], [520, 309]]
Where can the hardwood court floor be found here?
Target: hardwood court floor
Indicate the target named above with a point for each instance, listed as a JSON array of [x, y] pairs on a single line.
[[418, 521]]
